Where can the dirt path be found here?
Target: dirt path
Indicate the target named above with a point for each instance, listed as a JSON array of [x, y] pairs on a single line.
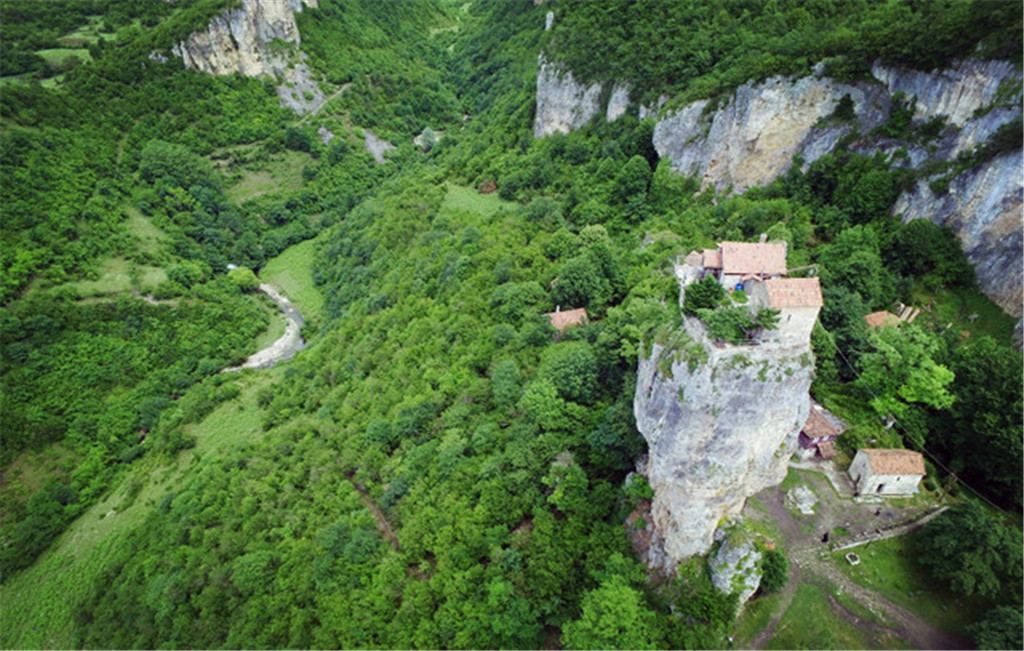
[[808, 564], [382, 522], [791, 531], [309, 116]]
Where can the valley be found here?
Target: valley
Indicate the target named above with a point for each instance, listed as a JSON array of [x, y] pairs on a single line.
[[283, 358]]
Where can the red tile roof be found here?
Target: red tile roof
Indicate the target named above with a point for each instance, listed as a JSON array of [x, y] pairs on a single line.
[[562, 319], [747, 258], [694, 259], [793, 292], [894, 462], [826, 449], [712, 259], [817, 425], [880, 319]]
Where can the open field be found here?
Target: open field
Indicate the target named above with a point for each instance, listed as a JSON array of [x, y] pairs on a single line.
[[968, 310], [810, 623], [150, 236], [890, 567], [292, 271], [282, 173], [56, 56], [469, 200], [119, 275]]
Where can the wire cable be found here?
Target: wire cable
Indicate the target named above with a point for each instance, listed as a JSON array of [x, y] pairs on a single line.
[[922, 449]]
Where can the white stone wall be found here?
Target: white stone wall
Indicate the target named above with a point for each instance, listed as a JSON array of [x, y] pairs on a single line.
[[868, 484], [795, 325]]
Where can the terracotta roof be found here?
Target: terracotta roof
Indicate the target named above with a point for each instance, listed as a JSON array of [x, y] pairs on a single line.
[[693, 259], [562, 319], [826, 449], [880, 319], [747, 258], [712, 259], [793, 292], [817, 425], [894, 462]]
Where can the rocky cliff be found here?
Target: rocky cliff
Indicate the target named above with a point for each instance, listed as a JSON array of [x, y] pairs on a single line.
[[721, 424], [564, 104], [754, 136], [260, 38], [983, 207], [751, 137]]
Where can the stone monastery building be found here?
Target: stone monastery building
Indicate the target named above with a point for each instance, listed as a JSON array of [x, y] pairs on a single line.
[[759, 269]]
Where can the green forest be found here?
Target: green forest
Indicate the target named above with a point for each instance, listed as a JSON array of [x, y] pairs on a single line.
[[440, 467]]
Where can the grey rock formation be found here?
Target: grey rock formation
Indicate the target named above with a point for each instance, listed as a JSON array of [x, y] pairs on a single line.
[[735, 566], [617, 103], [377, 146], [955, 93], [721, 424], [983, 207], [563, 104], [261, 38], [802, 499], [237, 40], [752, 139], [299, 92], [326, 135]]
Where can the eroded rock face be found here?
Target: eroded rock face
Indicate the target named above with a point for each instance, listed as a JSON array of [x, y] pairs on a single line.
[[735, 568], [563, 104], [753, 138], [237, 40], [983, 207], [260, 38], [955, 93], [720, 426]]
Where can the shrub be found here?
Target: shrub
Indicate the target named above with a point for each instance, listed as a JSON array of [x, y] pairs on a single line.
[[774, 570], [706, 293]]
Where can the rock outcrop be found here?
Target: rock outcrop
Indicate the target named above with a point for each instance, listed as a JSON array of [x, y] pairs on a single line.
[[955, 94], [750, 139], [735, 567], [753, 138], [721, 423], [563, 104], [983, 207], [261, 38]]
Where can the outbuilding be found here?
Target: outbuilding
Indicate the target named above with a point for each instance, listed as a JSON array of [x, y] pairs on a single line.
[[886, 472], [798, 301]]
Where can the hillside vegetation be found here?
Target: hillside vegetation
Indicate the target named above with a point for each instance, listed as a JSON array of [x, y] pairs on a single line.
[[439, 467]]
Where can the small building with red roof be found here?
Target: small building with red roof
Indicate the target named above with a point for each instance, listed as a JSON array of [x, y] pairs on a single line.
[[885, 472], [881, 319], [798, 301], [818, 434], [562, 319], [734, 263]]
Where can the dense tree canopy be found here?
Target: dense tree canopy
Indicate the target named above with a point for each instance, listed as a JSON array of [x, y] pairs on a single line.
[[439, 467]]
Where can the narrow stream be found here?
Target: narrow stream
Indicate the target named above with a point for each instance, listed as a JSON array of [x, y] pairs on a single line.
[[286, 345]]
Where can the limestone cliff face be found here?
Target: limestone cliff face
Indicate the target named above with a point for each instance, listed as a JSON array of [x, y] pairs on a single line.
[[983, 207], [753, 138], [750, 139], [955, 93], [258, 39], [237, 40], [721, 425], [563, 104]]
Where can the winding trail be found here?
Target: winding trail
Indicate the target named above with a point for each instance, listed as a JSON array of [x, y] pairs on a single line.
[[286, 345], [809, 565]]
